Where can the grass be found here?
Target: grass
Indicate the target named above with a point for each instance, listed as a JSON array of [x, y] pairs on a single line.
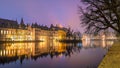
[[112, 58]]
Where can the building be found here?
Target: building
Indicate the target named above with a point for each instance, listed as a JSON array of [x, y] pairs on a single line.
[[100, 36], [12, 31]]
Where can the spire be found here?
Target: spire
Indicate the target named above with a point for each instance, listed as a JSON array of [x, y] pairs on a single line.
[[22, 23], [51, 26]]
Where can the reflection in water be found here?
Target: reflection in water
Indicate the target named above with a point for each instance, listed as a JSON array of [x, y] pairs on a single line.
[[12, 52], [102, 43]]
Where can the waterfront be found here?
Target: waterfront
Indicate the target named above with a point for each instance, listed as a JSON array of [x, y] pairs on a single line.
[[111, 60], [53, 54]]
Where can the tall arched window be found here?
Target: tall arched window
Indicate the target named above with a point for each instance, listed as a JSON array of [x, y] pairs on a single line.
[[1, 31], [7, 31], [4, 31]]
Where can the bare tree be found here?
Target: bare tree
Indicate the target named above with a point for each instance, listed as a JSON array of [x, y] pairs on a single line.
[[99, 15]]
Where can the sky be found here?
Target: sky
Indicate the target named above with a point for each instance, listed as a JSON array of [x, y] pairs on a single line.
[[46, 12]]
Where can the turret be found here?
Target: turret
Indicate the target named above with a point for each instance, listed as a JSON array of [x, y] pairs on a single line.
[[22, 25]]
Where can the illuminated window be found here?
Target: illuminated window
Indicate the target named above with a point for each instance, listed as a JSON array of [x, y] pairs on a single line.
[[7, 32], [4, 31], [1, 52], [1, 31]]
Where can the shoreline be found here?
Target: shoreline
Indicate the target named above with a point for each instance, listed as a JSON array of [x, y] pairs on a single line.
[[112, 58], [63, 41]]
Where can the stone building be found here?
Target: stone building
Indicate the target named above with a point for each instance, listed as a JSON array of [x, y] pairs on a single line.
[[12, 31]]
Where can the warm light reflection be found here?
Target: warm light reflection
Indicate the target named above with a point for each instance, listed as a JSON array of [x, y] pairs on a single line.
[[103, 37], [33, 49], [101, 43]]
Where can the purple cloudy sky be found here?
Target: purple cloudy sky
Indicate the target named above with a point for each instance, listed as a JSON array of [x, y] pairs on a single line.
[[46, 12]]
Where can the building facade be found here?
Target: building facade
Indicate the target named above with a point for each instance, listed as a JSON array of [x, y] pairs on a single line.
[[28, 33]]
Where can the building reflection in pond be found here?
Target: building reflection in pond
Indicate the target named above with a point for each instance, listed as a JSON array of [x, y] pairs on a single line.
[[10, 52], [102, 43], [13, 51]]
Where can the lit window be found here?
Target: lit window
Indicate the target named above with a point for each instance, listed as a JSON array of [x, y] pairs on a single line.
[[4, 32], [7, 32], [1, 31]]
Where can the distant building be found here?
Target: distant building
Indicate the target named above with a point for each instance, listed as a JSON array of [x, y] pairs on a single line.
[[101, 36]]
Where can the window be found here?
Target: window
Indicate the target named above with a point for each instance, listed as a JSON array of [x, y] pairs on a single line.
[[7, 32], [4, 31], [1, 31]]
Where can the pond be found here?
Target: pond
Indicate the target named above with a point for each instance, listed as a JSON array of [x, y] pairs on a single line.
[[87, 54]]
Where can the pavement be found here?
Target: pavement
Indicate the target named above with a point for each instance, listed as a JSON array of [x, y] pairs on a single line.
[[112, 58]]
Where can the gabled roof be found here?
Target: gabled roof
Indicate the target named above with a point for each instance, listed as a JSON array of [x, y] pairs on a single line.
[[5, 23]]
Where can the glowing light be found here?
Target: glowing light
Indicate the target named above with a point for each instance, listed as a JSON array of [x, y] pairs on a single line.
[[103, 43], [1, 53], [103, 37], [4, 52]]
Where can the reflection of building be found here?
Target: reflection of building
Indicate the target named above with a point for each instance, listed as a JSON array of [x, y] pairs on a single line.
[[14, 51], [12, 31], [103, 43], [10, 52], [19, 49]]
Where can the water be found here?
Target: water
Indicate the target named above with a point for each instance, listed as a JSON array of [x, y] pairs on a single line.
[[53, 55]]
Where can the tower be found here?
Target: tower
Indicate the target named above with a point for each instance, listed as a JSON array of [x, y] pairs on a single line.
[[22, 25]]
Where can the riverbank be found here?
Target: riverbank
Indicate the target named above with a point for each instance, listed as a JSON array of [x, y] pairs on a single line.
[[112, 58]]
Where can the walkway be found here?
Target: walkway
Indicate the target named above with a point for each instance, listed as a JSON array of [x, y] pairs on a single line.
[[112, 58]]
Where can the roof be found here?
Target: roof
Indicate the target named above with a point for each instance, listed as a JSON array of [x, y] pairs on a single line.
[[5, 23]]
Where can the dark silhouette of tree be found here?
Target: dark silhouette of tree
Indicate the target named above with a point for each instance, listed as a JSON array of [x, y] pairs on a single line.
[[69, 33], [77, 35], [100, 15]]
